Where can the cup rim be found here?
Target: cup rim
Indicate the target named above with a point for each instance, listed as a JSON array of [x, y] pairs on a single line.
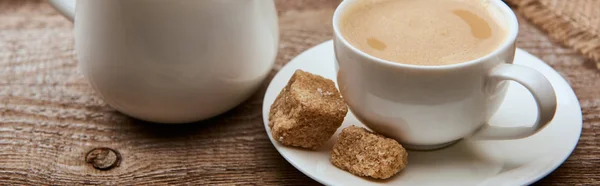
[[513, 28]]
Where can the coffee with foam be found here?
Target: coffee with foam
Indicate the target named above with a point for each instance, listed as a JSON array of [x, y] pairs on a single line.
[[422, 32]]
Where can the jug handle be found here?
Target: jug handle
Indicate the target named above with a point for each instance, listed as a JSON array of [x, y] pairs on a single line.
[[65, 7]]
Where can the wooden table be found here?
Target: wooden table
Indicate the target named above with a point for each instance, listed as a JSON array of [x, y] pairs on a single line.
[[50, 118]]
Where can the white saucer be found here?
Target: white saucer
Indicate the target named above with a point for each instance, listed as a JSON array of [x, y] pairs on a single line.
[[65, 7], [515, 162]]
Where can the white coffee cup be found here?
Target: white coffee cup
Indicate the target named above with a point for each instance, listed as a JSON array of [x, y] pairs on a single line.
[[429, 107], [175, 61]]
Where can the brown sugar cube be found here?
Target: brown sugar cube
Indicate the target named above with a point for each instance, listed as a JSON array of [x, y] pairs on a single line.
[[307, 112], [365, 153]]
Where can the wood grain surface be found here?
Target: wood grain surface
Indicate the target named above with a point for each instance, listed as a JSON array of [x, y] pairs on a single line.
[[50, 118]]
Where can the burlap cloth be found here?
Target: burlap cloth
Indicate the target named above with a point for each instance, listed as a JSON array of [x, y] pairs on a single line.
[[50, 118], [574, 23]]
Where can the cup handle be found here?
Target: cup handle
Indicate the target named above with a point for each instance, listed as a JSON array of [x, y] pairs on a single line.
[[540, 88]]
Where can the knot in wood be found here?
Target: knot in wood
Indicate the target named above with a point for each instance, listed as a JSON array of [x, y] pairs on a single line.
[[103, 158]]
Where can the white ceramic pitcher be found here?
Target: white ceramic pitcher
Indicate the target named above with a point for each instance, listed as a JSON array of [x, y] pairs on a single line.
[[175, 61]]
